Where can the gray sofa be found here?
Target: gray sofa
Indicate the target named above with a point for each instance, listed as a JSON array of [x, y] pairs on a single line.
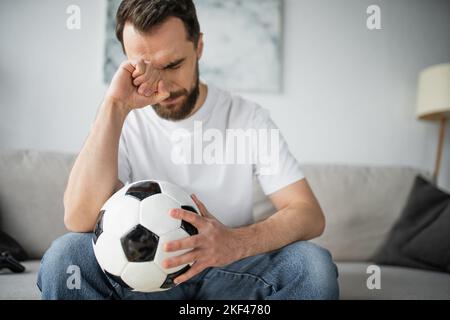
[[360, 203]]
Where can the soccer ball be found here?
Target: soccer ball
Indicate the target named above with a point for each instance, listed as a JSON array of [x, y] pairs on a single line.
[[132, 228]]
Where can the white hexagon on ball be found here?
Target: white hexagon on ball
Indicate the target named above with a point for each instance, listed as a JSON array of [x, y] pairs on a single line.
[[122, 216], [110, 255], [178, 194], [143, 277], [154, 214], [161, 254]]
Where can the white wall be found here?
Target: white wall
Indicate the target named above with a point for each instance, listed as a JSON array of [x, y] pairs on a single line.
[[349, 93], [50, 77]]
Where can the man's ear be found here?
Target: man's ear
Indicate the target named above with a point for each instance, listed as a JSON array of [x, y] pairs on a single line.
[[200, 46]]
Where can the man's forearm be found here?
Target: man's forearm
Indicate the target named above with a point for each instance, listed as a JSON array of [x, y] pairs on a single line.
[[94, 175], [299, 221]]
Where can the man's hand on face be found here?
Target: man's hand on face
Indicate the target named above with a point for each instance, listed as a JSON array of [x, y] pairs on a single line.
[[215, 245], [137, 84]]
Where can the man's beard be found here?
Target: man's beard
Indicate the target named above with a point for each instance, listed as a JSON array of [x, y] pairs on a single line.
[[177, 113]]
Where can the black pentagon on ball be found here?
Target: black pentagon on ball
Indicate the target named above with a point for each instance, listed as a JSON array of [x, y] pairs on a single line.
[[169, 284], [143, 190], [117, 280], [186, 226], [140, 244], [98, 226]]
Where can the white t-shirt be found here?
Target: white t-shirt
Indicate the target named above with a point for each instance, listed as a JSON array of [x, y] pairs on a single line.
[[196, 154]]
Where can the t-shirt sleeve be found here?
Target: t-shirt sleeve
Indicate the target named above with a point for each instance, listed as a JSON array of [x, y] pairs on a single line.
[[124, 167], [274, 166]]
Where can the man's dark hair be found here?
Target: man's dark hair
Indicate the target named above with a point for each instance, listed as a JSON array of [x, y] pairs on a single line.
[[146, 14]]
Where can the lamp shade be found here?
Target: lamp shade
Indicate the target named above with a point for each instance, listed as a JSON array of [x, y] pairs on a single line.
[[433, 100]]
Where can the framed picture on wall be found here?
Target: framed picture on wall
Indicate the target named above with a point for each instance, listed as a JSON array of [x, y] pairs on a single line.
[[244, 56]]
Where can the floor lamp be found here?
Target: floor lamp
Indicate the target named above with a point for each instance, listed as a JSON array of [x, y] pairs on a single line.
[[434, 103]]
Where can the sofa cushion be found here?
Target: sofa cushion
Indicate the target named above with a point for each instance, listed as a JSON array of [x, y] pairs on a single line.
[[32, 186], [360, 205], [420, 238], [8, 244]]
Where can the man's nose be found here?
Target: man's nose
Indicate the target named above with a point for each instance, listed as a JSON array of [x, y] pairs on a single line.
[[168, 83]]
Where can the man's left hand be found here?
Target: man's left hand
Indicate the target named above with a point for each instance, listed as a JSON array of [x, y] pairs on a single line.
[[215, 245]]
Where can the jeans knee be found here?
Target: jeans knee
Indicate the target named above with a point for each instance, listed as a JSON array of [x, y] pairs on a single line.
[[68, 250], [314, 268]]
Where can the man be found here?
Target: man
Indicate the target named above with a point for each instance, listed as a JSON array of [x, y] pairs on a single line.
[[234, 258]]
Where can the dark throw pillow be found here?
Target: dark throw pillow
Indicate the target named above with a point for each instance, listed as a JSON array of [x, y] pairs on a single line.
[[421, 236], [9, 244]]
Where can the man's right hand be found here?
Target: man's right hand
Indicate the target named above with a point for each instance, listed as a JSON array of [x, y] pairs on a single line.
[[137, 84]]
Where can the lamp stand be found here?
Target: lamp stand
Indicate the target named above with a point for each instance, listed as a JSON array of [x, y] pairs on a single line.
[[437, 167]]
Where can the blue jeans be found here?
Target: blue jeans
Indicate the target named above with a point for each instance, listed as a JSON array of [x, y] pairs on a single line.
[[301, 270]]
